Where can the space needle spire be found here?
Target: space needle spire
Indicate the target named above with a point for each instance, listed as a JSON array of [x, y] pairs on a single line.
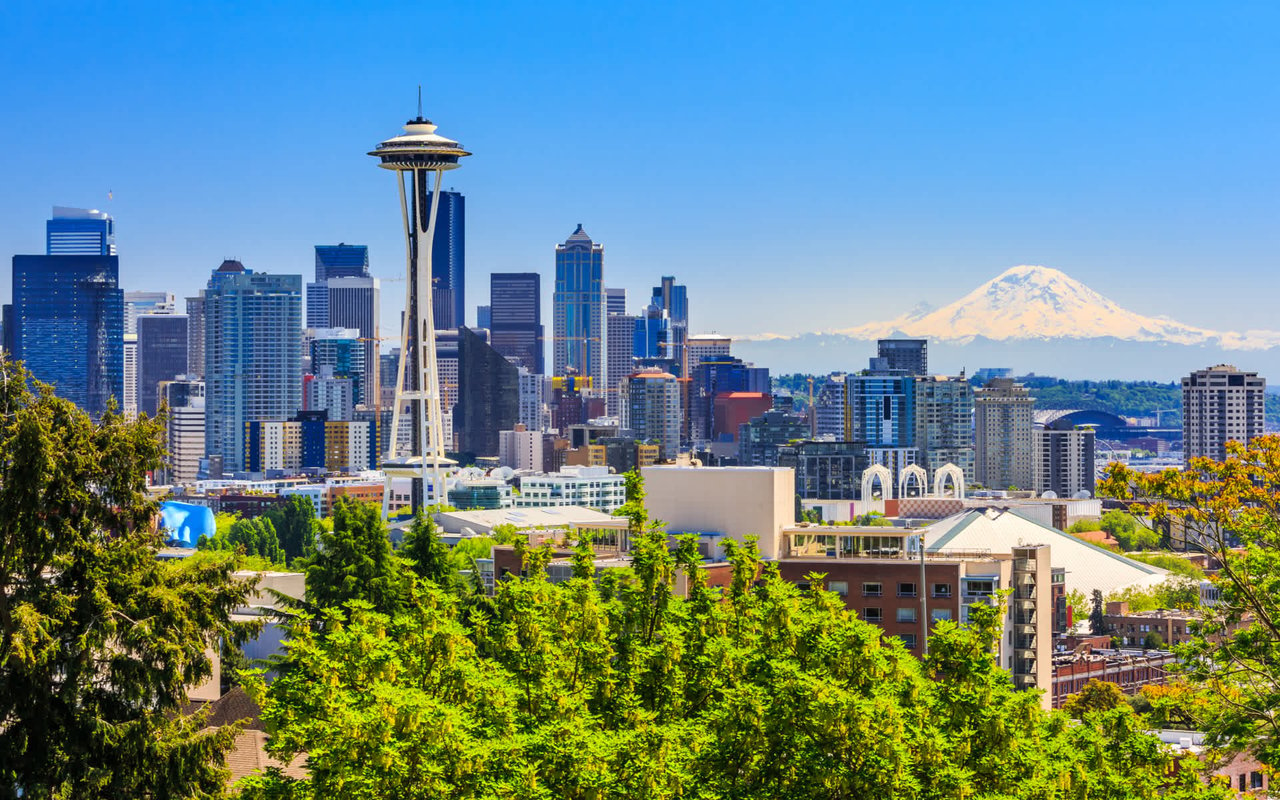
[[419, 157]]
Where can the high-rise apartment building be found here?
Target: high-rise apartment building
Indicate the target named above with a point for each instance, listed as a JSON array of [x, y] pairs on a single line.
[[80, 232], [619, 360], [68, 325], [831, 409], [944, 424], [195, 335], [579, 305], [184, 428], [535, 415], [1220, 404], [520, 448], [1003, 435], [129, 401], [515, 318], [162, 356], [882, 408], [1064, 461], [651, 410], [253, 355], [448, 261], [911, 355]]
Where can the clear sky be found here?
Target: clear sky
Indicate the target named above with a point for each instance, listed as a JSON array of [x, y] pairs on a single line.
[[801, 166]]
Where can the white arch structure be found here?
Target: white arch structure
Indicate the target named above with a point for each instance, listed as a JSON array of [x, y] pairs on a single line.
[[913, 473], [886, 482], [940, 481]]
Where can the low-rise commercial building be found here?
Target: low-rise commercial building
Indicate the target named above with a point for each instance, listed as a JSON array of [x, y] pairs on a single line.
[[592, 487]]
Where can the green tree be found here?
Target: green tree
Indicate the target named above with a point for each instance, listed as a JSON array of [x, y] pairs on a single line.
[[759, 690], [1234, 655], [354, 561], [296, 526], [98, 637], [1153, 641], [1078, 604], [429, 557], [1127, 532]]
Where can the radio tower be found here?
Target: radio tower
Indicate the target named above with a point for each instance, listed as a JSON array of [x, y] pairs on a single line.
[[419, 157]]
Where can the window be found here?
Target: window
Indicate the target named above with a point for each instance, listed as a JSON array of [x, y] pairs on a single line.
[[1255, 780], [942, 590], [906, 590], [940, 613], [839, 587], [872, 589], [909, 642], [906, 615], [1241, 784], [873, 615]]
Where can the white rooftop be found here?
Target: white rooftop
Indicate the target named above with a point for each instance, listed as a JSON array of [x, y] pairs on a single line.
[[1088, 566], [486, 520]]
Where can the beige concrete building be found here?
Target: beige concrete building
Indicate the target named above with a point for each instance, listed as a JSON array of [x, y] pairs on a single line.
[[1220, 404], [1003, 435], [723, 501]]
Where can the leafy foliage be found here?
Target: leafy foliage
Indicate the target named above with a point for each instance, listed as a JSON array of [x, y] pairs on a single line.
[[1234, 654], [617, 688], [354, 561], [1095, 696], [254, 537], [296, 527], [98, 638]]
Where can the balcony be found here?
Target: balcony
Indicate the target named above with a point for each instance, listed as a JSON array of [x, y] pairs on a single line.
[[1024, 604], [1024, 630]]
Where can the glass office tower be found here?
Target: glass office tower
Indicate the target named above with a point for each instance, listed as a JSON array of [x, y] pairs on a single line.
[[579, 305], [80, 232], [68, 325], [448, 261], [515, 318]]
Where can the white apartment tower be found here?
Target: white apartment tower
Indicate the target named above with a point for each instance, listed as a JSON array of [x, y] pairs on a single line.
[[1220, 404], [1004, 435]]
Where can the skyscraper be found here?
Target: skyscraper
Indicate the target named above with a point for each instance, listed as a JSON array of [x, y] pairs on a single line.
[[488, 395], [253, 355], [138, 303], [344, 295], [619, 359], [68, 315], [944, 424], [651, 409], [195, 335], [162, 355], [1220, 404], [579, 306], [184, 428], [515, 318], [448, 260], [1064, 460], [673, 298], [911, 355], [615, 299], [339, 353], [1003, 435], [80, 232]]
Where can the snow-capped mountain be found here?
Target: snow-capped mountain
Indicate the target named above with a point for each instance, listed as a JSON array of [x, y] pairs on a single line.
[[1029, 302], [1028, 319]]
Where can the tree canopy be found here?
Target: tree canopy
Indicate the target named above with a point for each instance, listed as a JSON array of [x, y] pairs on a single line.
[[1233, 659], [99, 639], [615, 687]]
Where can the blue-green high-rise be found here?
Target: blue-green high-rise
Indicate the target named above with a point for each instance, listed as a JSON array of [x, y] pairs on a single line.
[[253, 355], [579, 309]]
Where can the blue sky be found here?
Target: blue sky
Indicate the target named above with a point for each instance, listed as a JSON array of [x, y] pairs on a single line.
[[799, 166]]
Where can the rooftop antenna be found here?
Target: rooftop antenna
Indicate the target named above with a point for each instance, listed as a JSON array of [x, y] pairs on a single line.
[[419, 101]]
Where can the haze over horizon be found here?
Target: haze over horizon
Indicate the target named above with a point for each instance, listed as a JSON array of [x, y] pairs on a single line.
[[840, 172]]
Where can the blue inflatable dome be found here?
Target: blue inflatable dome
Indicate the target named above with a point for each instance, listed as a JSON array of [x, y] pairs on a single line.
[[185, 523]]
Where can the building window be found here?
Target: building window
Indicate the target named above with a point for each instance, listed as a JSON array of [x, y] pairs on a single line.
[[906, 615], [839, 587], [1255, 780], [872, 589], [875, 615], [909, 642], [940, 613], [906, 590], [942, 590]]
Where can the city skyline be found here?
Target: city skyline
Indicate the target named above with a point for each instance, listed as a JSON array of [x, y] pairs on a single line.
[[1139, 190]]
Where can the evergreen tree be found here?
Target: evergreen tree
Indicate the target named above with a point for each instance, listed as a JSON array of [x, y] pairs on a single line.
[[99, 639], [296, 527], [1098, 616], [354, 561]]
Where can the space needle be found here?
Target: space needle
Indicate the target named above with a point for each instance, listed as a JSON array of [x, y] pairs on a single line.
[[419, 157]]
